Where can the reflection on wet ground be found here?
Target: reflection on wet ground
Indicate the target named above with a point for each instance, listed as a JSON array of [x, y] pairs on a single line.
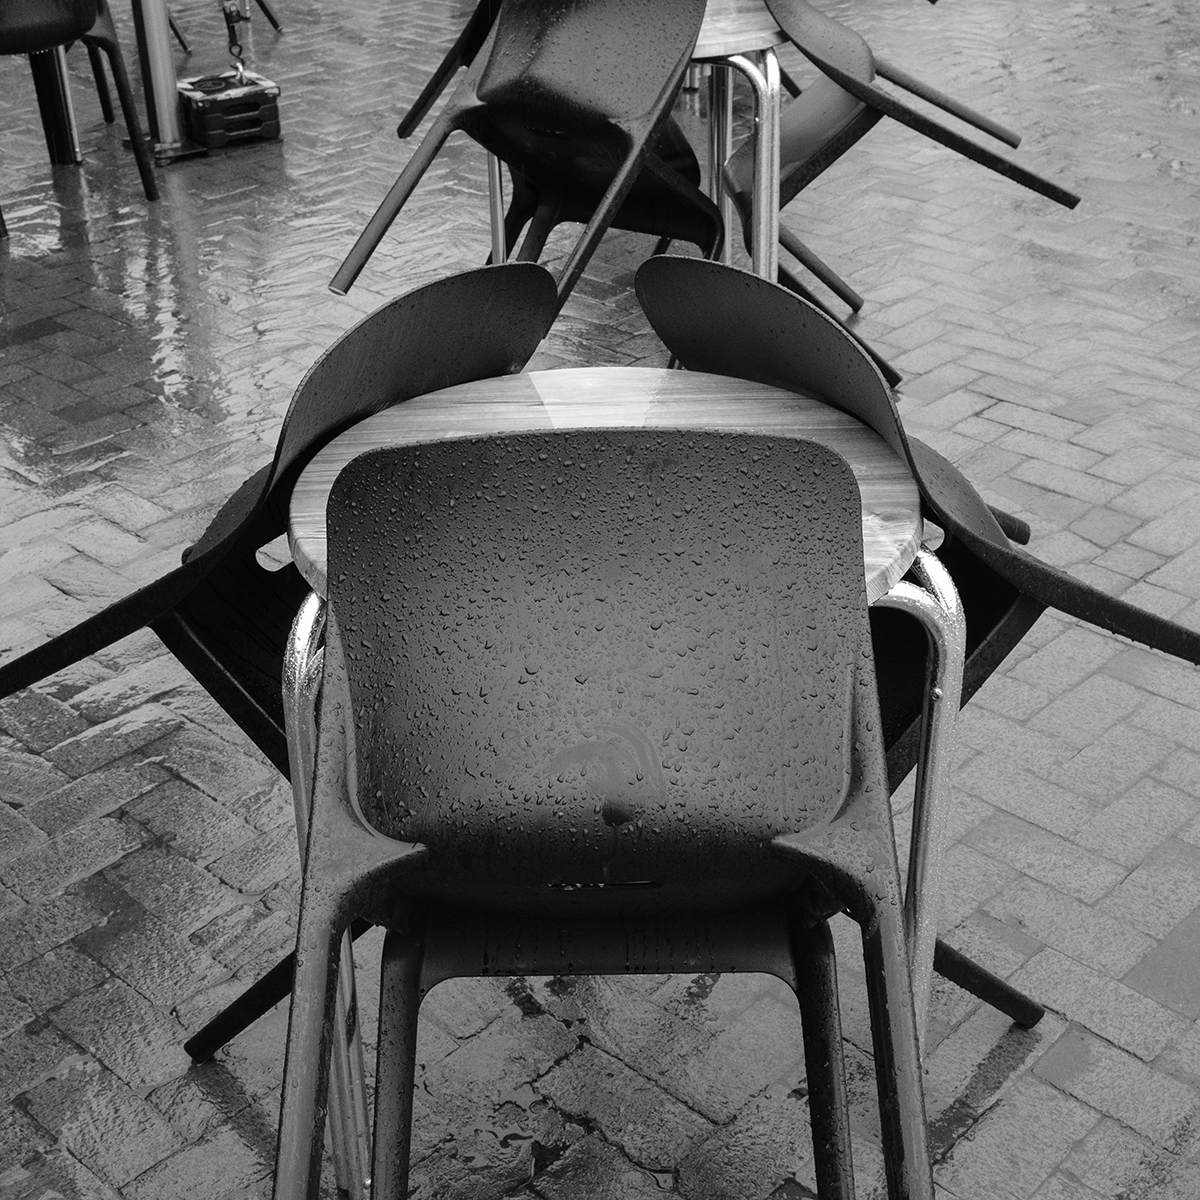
[[147, 859]]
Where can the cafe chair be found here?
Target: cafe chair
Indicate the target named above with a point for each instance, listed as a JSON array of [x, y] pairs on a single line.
[[34, 26], [224, 615], [841, 107], [599, 702], [764, 330], [572, 98], [718, 319]]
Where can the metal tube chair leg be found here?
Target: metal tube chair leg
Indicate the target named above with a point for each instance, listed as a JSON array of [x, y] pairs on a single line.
[[349, 1119], [720, 146], [496, 209], [763, 77], [935, 604]]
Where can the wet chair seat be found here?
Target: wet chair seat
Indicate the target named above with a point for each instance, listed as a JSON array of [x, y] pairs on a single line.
[[596, 687]]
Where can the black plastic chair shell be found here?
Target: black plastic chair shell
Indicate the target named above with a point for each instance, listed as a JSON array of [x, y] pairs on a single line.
[[224, 615], [596, 698]]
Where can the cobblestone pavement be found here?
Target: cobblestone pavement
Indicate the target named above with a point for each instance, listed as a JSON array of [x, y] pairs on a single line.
[[147, 859]]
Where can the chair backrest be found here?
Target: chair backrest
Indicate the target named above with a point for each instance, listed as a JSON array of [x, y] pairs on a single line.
[[28, 26], [601, 668], [468, 326], [718, 319]]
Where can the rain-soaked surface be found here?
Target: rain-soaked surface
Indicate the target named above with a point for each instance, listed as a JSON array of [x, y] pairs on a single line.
[[148, 866]]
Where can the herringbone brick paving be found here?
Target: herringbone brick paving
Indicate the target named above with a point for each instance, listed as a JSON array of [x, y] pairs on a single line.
[[147, 860]]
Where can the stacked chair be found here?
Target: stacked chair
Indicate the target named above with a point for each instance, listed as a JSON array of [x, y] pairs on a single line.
[[574, 98]]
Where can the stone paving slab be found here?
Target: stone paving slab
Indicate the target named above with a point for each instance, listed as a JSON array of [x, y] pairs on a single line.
[[148, 869]]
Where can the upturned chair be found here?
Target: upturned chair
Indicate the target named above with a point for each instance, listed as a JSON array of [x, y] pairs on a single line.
[[33, 26], [580, 142], [841, 107], [224, 615], [718, 319], [563, 745]]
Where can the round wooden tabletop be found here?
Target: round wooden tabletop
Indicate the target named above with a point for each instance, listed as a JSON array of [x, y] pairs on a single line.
[[626, 398], [736, 27]]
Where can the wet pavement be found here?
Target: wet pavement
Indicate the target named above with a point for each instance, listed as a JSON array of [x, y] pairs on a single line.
[[147, 858]]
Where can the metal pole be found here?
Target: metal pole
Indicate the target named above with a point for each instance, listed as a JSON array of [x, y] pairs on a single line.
[[158, 69]]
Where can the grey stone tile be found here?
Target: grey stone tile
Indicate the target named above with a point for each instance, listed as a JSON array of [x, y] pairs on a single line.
[[1138, 821], [69, 858], [596, 1090], [1051, 860], [141, 1045], [1158, 893], [1091, 937], [1170, 973], [1114, 1010], [1121, 1086], [101, 1122], [1017, 1144]]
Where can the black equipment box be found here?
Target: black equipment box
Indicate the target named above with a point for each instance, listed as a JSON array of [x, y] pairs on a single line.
[[222, 109]]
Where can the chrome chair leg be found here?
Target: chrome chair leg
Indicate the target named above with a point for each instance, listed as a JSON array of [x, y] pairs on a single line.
[[763, 77], [720, 147], [496, 209], [934, 602], [350, 1124]]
